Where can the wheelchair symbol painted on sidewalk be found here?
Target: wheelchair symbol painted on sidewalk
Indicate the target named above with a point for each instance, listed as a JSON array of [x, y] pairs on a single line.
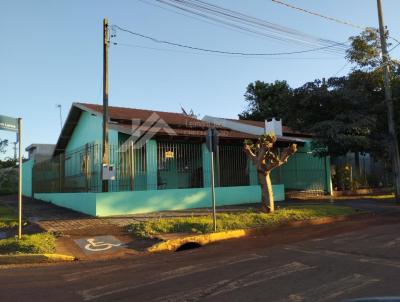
[[99, 244]]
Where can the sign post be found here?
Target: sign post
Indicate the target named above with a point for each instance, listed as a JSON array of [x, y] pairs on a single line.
[[20, 178], [15, 125], [212, 145]]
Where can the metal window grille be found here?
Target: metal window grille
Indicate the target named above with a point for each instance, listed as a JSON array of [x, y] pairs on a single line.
[[179, 165], [233, 166]]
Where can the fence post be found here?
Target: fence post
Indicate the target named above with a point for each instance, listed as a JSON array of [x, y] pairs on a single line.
[[151, 165], [61, 171], [329, 187], [86, 166], [132, 166]]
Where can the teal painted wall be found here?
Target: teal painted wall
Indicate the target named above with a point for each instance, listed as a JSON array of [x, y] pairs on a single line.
[[304, 171], [27, 177], [81, 202], [89, 130], [131, 202], [120, 203]]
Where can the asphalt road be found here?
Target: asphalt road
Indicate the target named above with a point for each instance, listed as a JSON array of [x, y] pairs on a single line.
[[317, 263]]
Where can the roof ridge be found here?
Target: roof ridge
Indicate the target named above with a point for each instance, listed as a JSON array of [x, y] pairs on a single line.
[[130, 108]]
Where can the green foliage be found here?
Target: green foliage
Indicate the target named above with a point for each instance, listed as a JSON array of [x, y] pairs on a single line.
[[342, 179], [29, 244], [8, 163], [3, 145], [267, 100], [8, 181], [8, 217], [345, 114], [234, 221], [365, 49]]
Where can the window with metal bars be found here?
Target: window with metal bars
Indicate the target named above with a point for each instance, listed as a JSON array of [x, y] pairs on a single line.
[[233, 166], [179, 165]]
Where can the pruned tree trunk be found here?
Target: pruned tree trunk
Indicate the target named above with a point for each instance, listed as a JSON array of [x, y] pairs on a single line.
[[267, 195], [266, 158]]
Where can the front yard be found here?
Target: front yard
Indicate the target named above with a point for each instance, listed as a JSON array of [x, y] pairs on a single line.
[[232, 221], [29, 244]]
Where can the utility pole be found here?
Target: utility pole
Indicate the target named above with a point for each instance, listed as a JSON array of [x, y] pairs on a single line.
[[394, 144], [106, 155]]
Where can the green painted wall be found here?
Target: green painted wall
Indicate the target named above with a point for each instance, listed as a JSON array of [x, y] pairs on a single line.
[[89, 130], [304, 171], [131, 202], [120, 203], [81, 202], [27, 178]]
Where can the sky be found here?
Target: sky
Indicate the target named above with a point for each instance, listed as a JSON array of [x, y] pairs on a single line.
[[51, 53]]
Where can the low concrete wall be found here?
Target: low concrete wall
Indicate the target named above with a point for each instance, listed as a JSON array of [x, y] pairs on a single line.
[[134, 202], [27, 168]]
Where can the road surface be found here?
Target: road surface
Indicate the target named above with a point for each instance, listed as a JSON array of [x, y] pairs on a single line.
[[317, 263]]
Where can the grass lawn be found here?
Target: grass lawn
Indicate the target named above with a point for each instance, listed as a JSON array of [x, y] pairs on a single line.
[[29, 244], [8, 218], [235, 220]]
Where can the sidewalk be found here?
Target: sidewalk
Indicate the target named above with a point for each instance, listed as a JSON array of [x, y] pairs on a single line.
[[70, 226]]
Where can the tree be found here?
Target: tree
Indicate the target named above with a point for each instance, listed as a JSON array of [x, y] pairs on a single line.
[[266, 157], [365, 49], [3, 145], [267, 100], [342, 113]]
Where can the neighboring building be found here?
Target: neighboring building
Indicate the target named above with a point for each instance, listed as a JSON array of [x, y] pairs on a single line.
[[40, 152], [161, 163], [36, 153]]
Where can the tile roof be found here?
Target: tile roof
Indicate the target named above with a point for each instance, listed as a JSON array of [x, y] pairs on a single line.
[[171, 118], [182, 124], [121, 119]]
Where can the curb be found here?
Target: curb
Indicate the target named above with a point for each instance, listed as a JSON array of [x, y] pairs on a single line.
[[204, 239], [34, 258]]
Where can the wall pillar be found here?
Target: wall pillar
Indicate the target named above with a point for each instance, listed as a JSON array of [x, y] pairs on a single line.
[[253, 176], [329, 186], [151, 165], [206, 166]]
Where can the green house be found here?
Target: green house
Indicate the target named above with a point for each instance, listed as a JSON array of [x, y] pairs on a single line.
[[161, 162]]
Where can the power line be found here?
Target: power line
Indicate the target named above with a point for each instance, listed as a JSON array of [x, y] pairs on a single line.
[[200, 19], [214, 50], [320, 15], [223, 55], [252, 24], [341, 68], [394, 47]]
